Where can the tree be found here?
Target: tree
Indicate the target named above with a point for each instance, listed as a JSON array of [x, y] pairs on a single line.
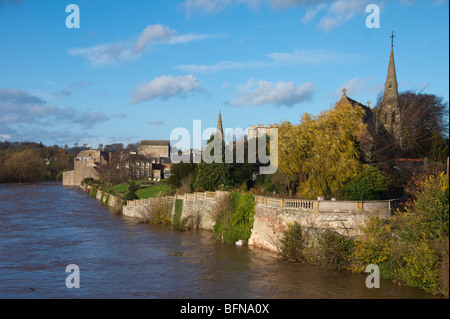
[[369, 184], [110, 173], [132, 188], [322, 153], [221, 173], [180, 171], [212, 176], [423, 116], [23, 166]]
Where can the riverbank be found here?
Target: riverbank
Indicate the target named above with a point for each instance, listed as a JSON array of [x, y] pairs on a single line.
[[272, 216], [332, 232], [46, 227]]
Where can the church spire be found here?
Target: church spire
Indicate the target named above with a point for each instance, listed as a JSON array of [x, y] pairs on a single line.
[[390, 99], [219, 125]]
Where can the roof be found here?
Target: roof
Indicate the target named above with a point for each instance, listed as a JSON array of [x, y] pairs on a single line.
[[155, 143], [368, 115], [137, 157]]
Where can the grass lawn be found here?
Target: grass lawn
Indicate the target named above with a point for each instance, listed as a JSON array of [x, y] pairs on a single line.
[[143, 191], [121, 188], [153, 191]]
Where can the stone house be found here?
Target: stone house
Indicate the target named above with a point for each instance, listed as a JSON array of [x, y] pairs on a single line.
[[150, 161], [86, 165]]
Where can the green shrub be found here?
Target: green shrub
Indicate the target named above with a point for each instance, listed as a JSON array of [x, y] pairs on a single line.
[[421, 267], [292, 243], [369, 184], [422, 249], [180, 171], [177, 222], [432, 207], [107, 199], [159, 213], [213, 176], [374, 247], [334, 251], [235, 221], [87, 180], [93, 192], [131, 194]]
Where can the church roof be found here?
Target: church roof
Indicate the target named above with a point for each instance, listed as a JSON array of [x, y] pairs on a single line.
[[368, 112]]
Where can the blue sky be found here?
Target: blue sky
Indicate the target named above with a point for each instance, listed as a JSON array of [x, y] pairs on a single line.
[[139, 69]]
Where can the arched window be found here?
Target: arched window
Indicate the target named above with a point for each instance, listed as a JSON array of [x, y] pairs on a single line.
[[393, 117]]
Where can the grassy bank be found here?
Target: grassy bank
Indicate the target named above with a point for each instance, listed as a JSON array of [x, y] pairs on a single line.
[[145, 189]]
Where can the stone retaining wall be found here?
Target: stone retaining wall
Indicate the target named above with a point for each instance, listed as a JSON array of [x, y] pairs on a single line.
[[272, 215]]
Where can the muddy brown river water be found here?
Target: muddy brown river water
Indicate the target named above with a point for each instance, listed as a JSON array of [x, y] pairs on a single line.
[[44, 227]]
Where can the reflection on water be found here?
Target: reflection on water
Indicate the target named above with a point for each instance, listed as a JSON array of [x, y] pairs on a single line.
[[45, 227]]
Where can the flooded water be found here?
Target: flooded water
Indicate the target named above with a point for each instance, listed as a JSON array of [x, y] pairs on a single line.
[[44, 227]]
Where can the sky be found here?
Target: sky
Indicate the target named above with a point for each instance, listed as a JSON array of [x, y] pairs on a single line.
[[135, 70]]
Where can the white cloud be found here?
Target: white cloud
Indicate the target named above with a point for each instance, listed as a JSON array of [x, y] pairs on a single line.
[[190, 37], [306, 56], [439, 2], [150, 33], [205, 6], [18, 107], [311, 12], [156, 123], [215, 6], [118, 52], [357, 86], [336, 13], [165, 87], [106, 54], [256, 93], [220, 66], [284, 4], [5, 136], [301, 56]]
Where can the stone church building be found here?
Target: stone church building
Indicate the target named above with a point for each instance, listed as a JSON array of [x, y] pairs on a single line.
[[382, 133]]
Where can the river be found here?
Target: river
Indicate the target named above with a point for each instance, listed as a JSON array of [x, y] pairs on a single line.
[[44, 227]]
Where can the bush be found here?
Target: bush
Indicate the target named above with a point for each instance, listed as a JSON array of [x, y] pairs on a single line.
[[159, 213], [234, 220], [177, 222], [369, 184], [131, 194], [421, 266], [93, 192], [213, 176], [432, 207], [87, 180], [334, 251], [292, 244], [422, 230], [181, 171], [375, 247], [412, 247]]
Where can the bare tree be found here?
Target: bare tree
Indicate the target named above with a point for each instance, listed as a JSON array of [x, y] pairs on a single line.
[[423, 116]]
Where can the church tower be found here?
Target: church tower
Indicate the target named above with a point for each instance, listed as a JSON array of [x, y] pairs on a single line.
[[219, 125], [391, 109]]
